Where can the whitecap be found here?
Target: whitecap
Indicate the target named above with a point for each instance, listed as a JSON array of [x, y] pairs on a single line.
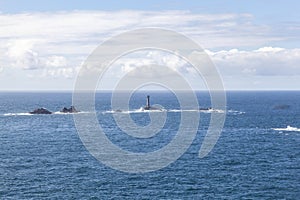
[[17, 114], [235, 112], [141, 110], [29, 114], [288, 128], [62, 113]]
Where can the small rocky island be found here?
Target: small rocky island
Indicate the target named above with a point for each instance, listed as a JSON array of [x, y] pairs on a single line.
[[41, 111], [205, 109], [72, 109]]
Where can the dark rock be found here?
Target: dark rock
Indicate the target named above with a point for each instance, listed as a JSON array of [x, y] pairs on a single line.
[[205, 109], [281, 107], [72, 109], [41, 111]]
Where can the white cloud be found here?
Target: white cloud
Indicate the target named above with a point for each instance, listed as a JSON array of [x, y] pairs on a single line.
[[20, 54], [56, 39], [68, 26], [234, 63], [27, 36], [146, 58], [56, 61], [265, 61], [66, 72], [270, 49], [56, 43]]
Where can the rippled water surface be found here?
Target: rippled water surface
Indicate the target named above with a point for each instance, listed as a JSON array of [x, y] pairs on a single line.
[[256, 157]]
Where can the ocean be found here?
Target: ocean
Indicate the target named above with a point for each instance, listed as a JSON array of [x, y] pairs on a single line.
[[256, 157]]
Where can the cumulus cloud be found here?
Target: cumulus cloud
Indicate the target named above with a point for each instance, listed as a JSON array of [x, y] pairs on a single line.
[[20, 54], [56, 61], [66, 72], [265, 61], [154, 59], [56, 43], [79, 32]]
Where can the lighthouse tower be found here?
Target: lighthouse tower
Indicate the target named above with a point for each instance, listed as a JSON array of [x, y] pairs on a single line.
[[147, 107]]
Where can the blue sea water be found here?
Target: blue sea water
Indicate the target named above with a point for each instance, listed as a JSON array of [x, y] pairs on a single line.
[[256, 157]]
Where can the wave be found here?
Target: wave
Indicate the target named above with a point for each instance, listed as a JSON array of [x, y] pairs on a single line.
[[198, 110], [17, 114], [141, 110], [235, 112], [288, 128], [62, 113], [54, 113]]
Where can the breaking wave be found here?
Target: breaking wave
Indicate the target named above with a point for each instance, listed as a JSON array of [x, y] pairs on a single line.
[[54, 113], [62, 113], [210, 110], [288, 128], [235, 112], [17, 114], [141, 110]]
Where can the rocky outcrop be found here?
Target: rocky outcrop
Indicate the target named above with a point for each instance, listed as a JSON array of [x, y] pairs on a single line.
[[281, 107], [72, 109], [205, 109], [40, 111]]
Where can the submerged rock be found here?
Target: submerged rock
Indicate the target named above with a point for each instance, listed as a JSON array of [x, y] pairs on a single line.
[[72, 109], [40, 111], [281, 107]]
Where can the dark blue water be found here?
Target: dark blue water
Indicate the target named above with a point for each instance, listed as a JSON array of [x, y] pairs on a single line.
[[41, 156]]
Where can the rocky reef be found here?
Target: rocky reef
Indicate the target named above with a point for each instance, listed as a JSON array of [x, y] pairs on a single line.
[[72, 109], [41, 111]]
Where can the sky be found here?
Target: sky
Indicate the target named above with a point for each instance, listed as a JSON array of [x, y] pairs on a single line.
[[255, 45]]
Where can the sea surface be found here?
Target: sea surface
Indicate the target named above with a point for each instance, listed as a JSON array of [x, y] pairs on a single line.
[[256, 157]]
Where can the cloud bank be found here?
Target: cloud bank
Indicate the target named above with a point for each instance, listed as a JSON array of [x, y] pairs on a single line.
[[265, 61], [54, 44]]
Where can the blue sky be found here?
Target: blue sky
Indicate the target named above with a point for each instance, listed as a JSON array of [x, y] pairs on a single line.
[[267, 10], [254, 44]]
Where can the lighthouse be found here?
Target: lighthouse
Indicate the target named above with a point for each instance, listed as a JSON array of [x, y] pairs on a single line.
[[147, 107]]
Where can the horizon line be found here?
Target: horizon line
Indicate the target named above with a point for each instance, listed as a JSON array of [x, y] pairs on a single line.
[[151, 90]]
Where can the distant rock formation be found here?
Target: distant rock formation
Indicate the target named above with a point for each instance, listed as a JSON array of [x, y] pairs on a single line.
[[205, 109], [281, 107], [41, 111], [72, 109]]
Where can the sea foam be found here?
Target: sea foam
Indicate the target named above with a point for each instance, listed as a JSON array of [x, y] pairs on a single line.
[[288, 128]]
